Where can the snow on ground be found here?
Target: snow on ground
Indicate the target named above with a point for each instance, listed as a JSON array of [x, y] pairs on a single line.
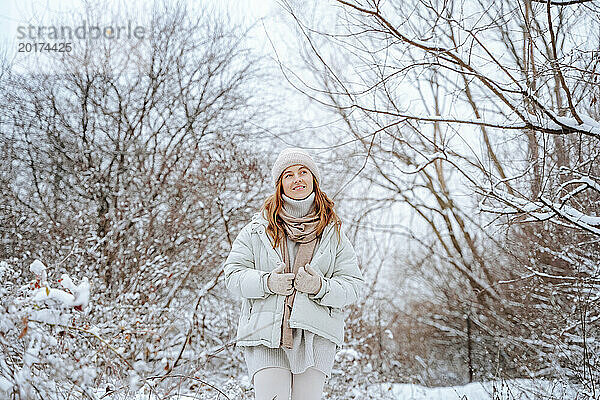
[[517, 389], [521, 389]]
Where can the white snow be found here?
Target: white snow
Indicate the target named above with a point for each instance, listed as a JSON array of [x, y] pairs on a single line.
[[589, 124], [543, 209], [79, 297], [46, 293], [31, 354], [5, 384], [517, 389], [525, 389], [38, 268], [350, 354], [67, 282], [82, 293], [3, 268]]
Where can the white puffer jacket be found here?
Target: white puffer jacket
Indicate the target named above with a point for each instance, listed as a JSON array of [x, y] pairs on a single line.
[[251, 259]]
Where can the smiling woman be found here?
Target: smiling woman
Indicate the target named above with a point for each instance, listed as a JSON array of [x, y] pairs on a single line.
[[295, 271]]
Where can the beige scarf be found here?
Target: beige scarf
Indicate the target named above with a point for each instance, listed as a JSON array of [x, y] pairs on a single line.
[[302, 230]]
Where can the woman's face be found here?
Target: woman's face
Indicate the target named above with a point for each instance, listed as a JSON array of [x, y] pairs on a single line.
[[297, 182]]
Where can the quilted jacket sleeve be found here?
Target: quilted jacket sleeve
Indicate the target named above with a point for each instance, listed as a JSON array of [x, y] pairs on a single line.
[[346, 284], [241, 277]]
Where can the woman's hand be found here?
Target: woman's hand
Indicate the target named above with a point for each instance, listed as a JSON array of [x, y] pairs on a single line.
[[307, 280], [280, 282]]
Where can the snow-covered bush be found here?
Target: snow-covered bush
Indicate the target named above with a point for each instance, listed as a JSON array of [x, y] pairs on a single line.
[[141, 196], [42, 328]]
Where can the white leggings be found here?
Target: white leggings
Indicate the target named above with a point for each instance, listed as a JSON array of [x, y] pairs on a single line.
[[276, 383]]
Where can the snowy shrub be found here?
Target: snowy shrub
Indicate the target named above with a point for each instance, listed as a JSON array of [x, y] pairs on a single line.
[[136, 179], [42, 328]]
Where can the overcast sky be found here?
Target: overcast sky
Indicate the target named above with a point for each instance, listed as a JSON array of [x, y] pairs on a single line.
[[15, 13]]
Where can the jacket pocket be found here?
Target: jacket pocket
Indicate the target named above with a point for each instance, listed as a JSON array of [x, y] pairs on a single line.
[[322, 264]]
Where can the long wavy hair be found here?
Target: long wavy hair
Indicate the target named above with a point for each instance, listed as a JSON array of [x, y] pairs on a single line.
[[323, 207]]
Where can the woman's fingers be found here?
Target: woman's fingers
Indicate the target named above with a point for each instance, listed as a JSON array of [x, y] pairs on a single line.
[[279, 269], [309, 269], [285, 278]]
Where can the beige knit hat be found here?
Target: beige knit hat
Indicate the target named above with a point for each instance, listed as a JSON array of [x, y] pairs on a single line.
[[293, 156]]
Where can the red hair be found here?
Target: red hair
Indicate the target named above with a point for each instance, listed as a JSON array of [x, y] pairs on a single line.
[[323, 207]]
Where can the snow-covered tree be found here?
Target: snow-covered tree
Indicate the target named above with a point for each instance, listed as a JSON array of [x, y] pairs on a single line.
[[462, 114], [131, 163]]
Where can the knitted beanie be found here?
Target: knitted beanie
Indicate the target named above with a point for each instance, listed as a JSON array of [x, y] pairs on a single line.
[[293, 156]]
